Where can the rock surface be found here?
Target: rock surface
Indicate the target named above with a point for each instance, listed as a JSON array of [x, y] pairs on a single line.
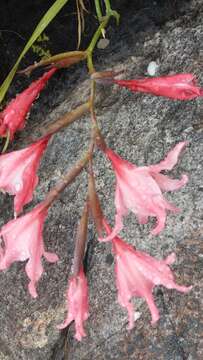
[[141, 128]]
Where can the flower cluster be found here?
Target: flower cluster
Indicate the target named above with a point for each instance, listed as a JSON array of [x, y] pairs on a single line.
[[138, 189]]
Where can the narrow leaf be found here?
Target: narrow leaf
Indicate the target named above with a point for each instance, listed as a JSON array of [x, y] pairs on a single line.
[[44, 22]]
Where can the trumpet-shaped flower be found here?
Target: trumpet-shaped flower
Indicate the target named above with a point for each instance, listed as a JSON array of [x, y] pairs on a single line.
[[180, 86], [139, 189], [22, 240], [18, 172], [137, 273], [77, 304], [13, 117]]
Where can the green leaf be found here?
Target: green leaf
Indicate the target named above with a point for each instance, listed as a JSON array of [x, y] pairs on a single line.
[[44, 22]]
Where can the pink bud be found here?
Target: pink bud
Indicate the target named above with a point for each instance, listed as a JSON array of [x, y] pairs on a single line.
[[180, 86], [13, 117]]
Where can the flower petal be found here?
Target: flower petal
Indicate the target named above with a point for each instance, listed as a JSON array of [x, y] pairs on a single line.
[[167, 184], [152, 307], [23, 241], [171, 159], [137, 273], [77, 304]]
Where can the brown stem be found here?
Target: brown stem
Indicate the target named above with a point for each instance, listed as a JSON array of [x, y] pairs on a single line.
[[99, 75], [92, 100], [66, 180], [95, 136], [96, 133], [80, 241], [94, 202], [60, 60], [99, 140], [65, 120]]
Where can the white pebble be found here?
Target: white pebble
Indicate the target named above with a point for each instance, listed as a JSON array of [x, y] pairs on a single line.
[[103, 43], [152, 68]]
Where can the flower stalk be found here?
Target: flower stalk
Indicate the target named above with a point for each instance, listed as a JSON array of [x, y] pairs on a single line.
[[62, 60], [94, 203], [110, 12], [98, 10], [80, 241], [65, 120], [93, 43], [67, 179]]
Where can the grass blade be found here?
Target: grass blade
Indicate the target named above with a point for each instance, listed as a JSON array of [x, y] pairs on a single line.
[[44, 22]]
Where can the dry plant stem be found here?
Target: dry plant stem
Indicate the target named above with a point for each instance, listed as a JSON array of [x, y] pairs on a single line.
[[66, 180], [80, 241], [65, 120], [60, 60], [81, 19]]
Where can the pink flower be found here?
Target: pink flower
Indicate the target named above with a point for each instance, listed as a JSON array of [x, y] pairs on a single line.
[[180, 86], [77, 304], [22, 240], [13, 117], [137, 274], [139, 189], [18, 172]]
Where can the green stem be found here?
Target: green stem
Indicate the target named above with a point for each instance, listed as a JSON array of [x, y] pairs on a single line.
[[100, 31], [90, 63], [97, 34], [108, 6], [93, 43], [110, 12], [98, 9]]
